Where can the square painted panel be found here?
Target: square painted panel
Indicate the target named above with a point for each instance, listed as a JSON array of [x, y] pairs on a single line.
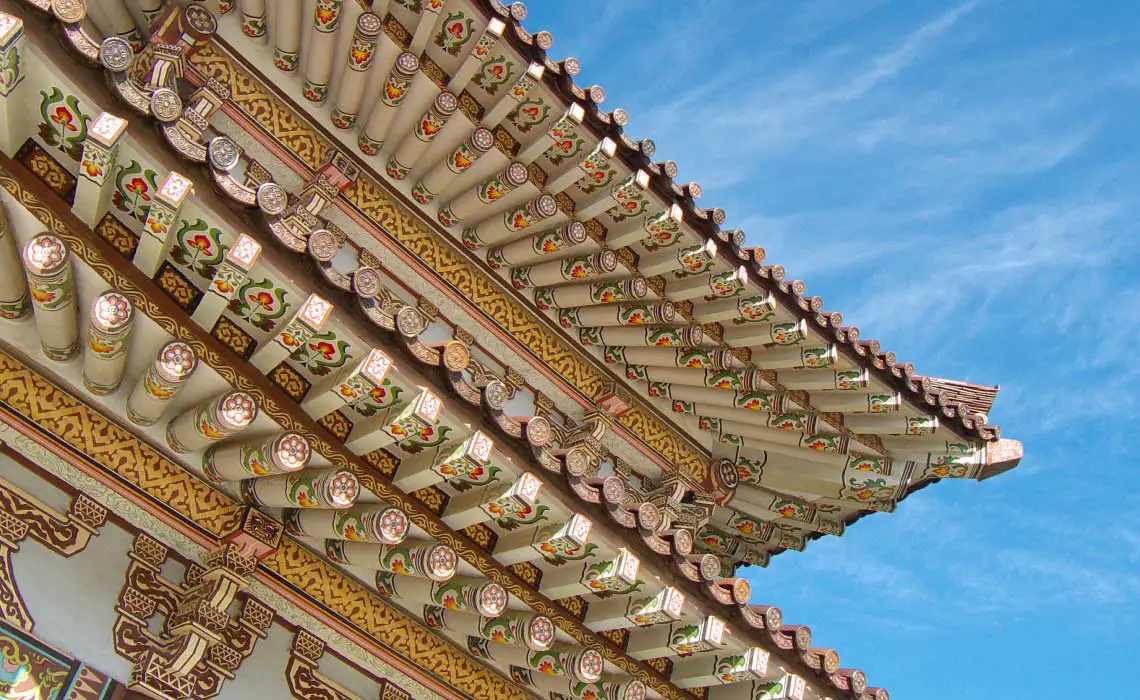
[[528, 572], [233, 337], [290, 381], [181, 290], [434, 498], [338, 424], [481, 535], [49, 170], [121, 238]]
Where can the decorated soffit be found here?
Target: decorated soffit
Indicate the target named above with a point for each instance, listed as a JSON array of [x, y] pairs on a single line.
[[801, 446]]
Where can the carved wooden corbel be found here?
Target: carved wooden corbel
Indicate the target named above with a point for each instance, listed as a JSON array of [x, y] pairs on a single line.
[[23, 516], [293, 225], [304, 680], [222, 156], [323, 246], [200, 645], [307, 683]]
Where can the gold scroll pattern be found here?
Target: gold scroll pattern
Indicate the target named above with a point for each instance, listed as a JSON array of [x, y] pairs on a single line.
[[257, 103], [369, 478], [368, 197], [110, 446]]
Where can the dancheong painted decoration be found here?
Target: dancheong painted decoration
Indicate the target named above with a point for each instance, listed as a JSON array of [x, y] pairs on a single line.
[[352, 349]]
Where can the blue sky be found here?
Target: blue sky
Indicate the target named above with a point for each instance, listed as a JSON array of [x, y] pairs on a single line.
[[961, 181]]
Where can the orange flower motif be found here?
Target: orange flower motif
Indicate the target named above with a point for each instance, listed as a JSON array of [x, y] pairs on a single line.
[[64, 119], [92, 169], [461, 161], [392, 92], [447, 470], [138, 187], [324, 349], [360, 55], [202, 243], [262, 298], [42, 296], [100, 347], [304, 501]]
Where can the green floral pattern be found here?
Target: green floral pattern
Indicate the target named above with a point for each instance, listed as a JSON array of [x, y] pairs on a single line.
[[135, 187], [63, 124], [198, 247], [261, 304]]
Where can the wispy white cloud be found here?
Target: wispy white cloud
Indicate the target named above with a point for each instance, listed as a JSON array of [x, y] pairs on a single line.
[[960, 182], [905, 52]]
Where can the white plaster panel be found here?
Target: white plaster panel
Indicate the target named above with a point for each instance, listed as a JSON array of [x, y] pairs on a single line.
[[262, 675], [72, 599]]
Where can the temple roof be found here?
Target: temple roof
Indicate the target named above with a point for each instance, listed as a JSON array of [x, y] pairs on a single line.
[[957, 401], [474, 292]]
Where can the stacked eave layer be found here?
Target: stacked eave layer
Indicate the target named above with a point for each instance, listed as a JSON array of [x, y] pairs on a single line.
[[659, 510]]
